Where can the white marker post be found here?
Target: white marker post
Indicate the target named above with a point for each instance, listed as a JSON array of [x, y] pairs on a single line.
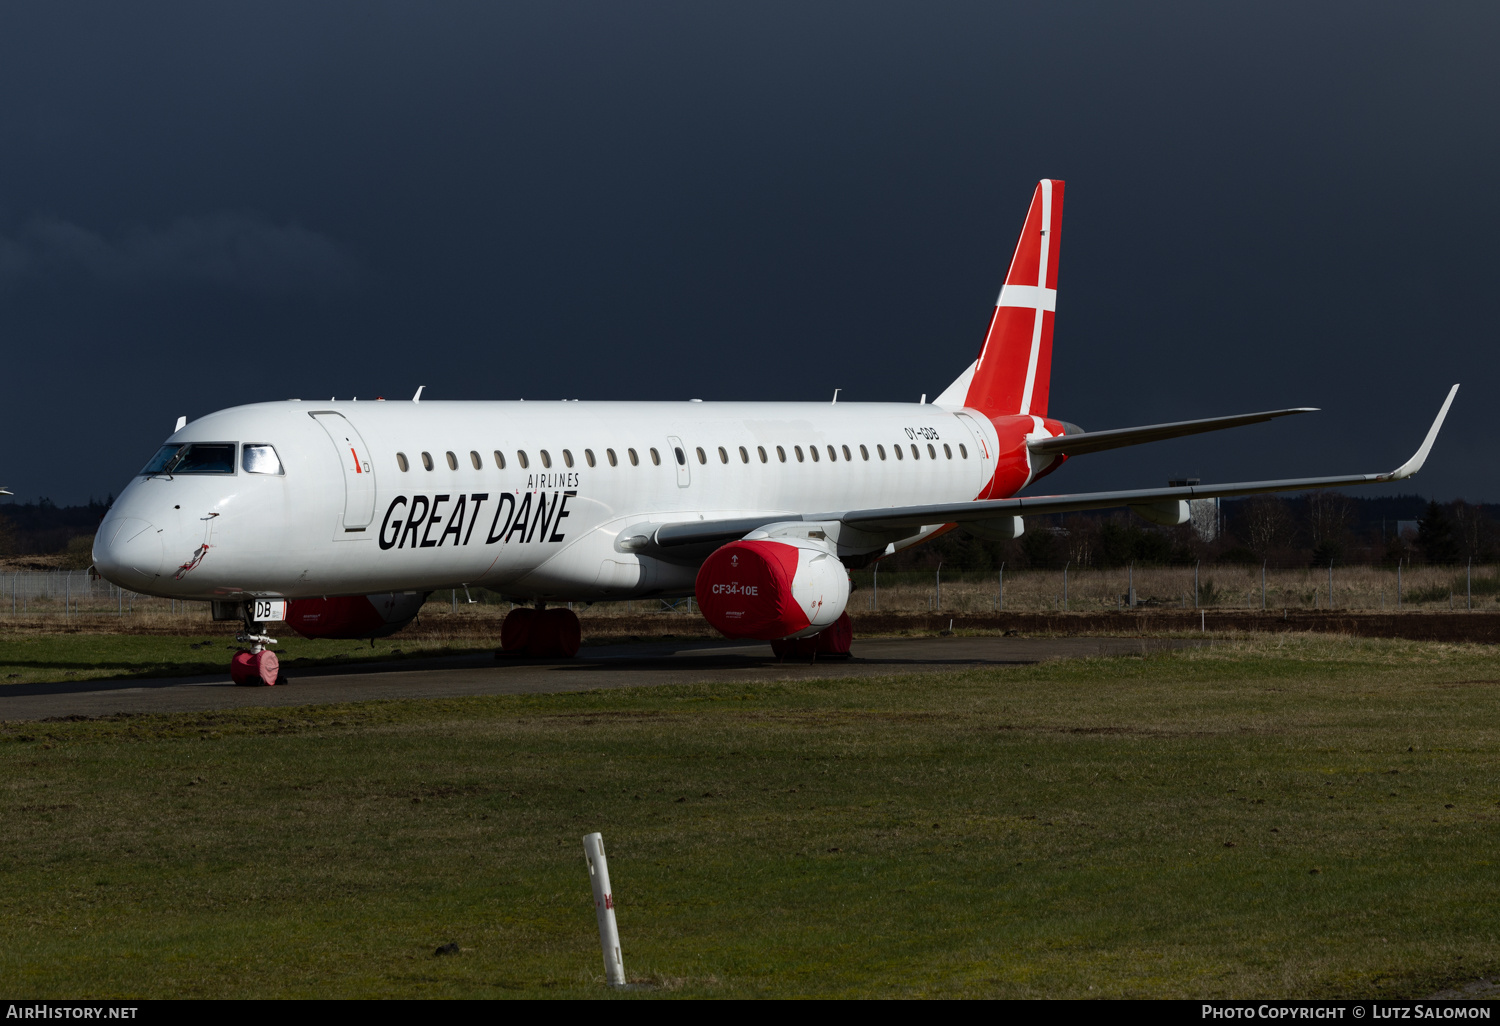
[[604, 910]]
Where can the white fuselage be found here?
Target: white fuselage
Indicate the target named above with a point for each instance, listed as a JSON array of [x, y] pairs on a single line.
[[339, 518]]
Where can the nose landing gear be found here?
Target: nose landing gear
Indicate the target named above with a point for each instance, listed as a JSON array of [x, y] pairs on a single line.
[[257, 667]]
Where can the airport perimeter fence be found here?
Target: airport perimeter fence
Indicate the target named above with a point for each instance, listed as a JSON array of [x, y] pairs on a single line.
[[1399, 588], [34, 594], [30, 593]]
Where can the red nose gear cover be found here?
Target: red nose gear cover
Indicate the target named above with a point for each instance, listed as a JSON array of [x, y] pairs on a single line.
[[267, 666], [255, 668], [242, 670], [345, 616], [745, 590]]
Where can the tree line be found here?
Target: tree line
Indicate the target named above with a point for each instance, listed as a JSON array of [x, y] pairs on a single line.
[[1314, 529]]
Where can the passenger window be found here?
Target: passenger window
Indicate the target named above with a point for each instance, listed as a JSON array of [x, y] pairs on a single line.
[[847, 458], [723, 456], [963, 450], [567, 457], [931, 452], [880, 449], [798, 450], [833, 456], [781, 453], [864, 454], [813, 449], [681, 456], [947, 451], [916, 453], [656, 457], [897, 450], [546, 458], [588, 457], [260, 459], [401, 462], [702, 458], [499, 460], [452, 462], [762, 450], [609, 454], [474, 459], [744, 456], [521, 459], [427, 460], [635, 461]]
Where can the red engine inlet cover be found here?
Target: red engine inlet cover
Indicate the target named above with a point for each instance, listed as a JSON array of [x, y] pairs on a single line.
[[745, 590]]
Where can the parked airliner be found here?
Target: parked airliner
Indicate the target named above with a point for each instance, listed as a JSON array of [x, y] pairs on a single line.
[[340, 517]]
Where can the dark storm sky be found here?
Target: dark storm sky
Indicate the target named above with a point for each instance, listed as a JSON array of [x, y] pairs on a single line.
[[1266, 205]]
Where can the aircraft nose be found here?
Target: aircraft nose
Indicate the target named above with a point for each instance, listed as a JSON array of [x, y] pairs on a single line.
[[128, 552]]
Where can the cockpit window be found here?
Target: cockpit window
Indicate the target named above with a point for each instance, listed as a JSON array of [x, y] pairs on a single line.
[[161, 459], [193, 458], [260, 459]]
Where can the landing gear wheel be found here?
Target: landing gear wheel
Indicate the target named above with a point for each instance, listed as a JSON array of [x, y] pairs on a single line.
[[833, 642], [256, 666], [540, 633]]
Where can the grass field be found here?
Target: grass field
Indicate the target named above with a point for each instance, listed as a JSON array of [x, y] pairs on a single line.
[[1303, 816]]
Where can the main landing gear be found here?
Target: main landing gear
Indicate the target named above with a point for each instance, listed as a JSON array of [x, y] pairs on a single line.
[[540, 633], [257, 666], [833, 642]]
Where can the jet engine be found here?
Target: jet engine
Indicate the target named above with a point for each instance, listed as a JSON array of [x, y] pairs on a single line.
[[354, 616], [768, 590]]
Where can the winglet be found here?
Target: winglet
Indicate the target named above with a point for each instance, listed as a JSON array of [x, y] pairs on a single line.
[[1414, 464], [418, 397]]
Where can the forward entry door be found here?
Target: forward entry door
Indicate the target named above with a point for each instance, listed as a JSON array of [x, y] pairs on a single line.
[[359, 473]]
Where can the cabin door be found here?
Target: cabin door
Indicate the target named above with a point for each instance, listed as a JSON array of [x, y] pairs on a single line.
[[359, 473]]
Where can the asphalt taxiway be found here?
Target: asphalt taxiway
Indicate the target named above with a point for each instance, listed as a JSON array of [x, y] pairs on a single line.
[[604, 666]]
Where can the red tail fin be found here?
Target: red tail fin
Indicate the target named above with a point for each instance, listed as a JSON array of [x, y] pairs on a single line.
[[1014, 367]]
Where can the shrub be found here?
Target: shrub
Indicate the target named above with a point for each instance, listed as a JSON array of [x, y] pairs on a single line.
[[80, 552]]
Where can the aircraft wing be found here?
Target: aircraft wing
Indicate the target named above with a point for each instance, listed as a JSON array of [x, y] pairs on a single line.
[[1095, 441], [908, 518]]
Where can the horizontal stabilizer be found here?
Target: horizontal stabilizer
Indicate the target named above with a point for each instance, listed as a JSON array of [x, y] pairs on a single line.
[[1115, 438]]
